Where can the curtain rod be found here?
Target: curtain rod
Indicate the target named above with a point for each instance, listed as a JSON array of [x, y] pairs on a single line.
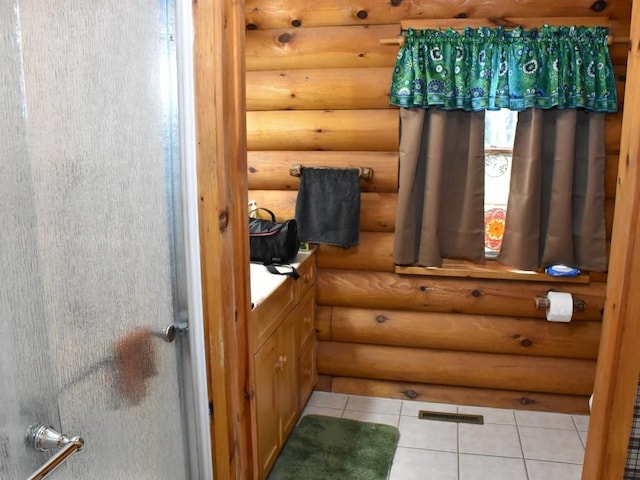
[[510, 22]]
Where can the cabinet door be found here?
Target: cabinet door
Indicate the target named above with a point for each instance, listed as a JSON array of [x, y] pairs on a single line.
[[306, 372], [265, 364], [306, 326], [287, 375], [306, 342]]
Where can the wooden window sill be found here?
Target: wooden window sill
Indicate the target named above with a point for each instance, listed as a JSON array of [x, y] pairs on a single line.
[[492, 270]]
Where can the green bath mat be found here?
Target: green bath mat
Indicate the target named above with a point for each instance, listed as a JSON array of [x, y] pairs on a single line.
[[328, 448]]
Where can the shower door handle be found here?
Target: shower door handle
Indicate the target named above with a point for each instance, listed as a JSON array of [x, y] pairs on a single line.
[[43, 438]]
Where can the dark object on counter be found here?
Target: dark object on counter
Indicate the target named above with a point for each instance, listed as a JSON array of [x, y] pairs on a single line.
[[271, 241]]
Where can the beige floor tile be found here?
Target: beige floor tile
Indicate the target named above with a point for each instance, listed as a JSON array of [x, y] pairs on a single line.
[[416, 464], [544, 419], [374, 417], [326, 411], [491, 415], [480, 467], [412, 408], [490, 439], [553, 471], [581, 421], [429, 434], [583, 437], [328, 399], [549, 444], [373, 404]]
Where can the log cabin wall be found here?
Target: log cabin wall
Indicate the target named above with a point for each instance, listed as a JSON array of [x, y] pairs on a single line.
[[317, 81]]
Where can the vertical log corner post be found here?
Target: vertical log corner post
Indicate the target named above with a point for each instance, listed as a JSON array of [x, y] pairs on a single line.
[[616, 380], [222, 200]]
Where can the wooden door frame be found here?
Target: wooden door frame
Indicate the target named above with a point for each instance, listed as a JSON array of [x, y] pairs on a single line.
[[222, 193], [616, 381], [222, 184]]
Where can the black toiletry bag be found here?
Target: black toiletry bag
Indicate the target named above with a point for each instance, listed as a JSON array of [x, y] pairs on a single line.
[[271, 241]]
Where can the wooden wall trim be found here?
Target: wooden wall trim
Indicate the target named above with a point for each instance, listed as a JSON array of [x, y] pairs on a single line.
[[222, 193], [618, 361]]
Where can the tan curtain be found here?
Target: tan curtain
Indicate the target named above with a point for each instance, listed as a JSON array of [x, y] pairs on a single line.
[[441, 187], [555, 212]]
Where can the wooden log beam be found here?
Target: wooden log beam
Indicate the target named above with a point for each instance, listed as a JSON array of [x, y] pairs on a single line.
[[482, 370], [377, 224], [455, 331], [375, 130], [323, 47], [265, 14], [450, 295], [269, 170], [359, 88], [374, 252], [377, 214], [524, 400], [351, 89], [377, 210]]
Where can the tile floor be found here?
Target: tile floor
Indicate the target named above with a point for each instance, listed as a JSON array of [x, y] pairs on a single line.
[[510, 445]]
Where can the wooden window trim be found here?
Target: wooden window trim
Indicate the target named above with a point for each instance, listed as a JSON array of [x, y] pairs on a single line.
[[493, 270]]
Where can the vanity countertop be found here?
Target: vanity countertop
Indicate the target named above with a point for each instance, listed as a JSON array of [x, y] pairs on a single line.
[[263, 283]]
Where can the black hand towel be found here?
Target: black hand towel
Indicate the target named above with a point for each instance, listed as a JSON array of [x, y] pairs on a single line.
[[328, 206]]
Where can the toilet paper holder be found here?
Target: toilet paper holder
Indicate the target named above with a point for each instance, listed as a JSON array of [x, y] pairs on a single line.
[[542, 303]]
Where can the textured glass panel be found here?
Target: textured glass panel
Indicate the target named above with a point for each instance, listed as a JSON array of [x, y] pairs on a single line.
[[87, 283], [26, 373]]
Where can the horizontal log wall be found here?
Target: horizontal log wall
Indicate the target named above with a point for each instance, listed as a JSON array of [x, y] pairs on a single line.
[[460, 332], [317, 85]]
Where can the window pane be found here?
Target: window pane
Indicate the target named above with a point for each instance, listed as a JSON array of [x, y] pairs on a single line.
[[500, 129], [499, 134]]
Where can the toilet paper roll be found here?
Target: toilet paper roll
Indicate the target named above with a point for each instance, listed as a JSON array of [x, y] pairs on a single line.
[[560, 307]]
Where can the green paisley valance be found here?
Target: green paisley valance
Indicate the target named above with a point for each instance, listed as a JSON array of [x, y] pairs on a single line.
[[492, 68]]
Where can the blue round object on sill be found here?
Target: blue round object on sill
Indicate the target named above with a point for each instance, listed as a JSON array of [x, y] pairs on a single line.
[[562, 271]]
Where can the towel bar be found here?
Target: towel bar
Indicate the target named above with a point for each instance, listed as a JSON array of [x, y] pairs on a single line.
[[365, 173]]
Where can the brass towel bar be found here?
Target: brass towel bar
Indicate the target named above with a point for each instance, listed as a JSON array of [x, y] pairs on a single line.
[[365, 173]]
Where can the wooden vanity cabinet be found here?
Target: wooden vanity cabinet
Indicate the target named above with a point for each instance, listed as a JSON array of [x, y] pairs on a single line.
[[283, 370]]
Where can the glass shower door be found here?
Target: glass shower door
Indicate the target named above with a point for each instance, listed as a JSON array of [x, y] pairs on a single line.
[[91, 251]]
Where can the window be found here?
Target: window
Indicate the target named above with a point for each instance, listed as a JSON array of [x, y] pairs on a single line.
[[500, 127]]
